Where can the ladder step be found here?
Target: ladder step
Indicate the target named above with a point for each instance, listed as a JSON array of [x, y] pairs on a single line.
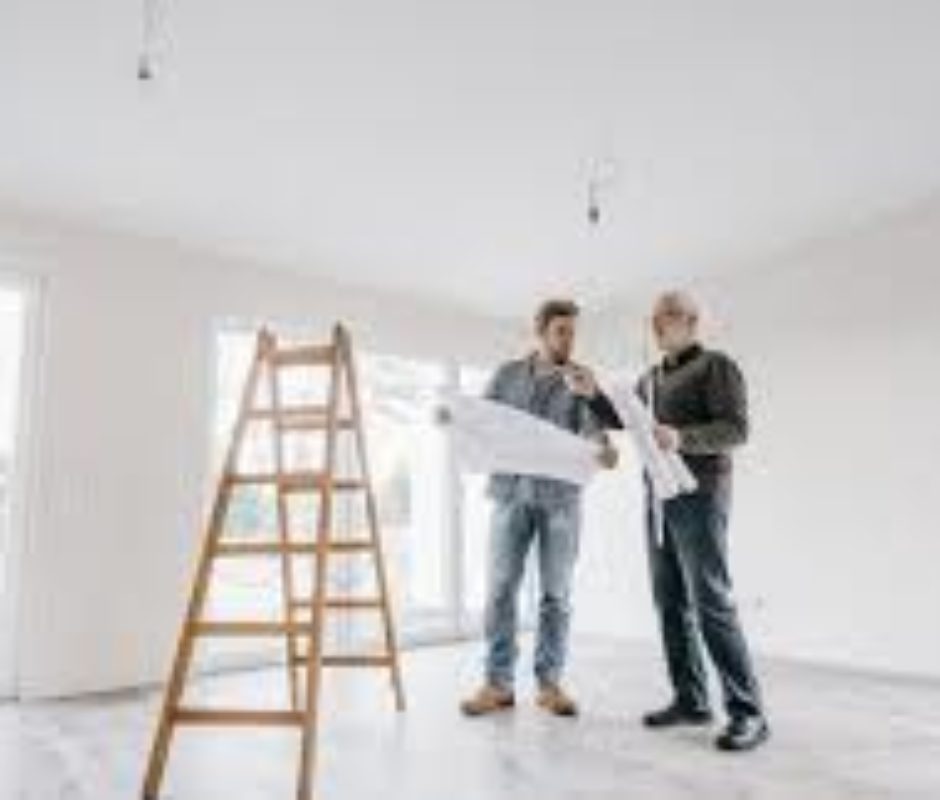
[[299, 482], [259, 478], [209, 716], [268, 548], [348, 661], [313, 480], [307, 355], [351, 546], [265, 548], [299, 424], [298, 418], [353, 603], [349, 603], [356, 661], [255, 628], [294, 481]]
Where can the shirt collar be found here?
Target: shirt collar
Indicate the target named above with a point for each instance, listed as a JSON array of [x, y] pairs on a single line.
[[542, 370], [683, 357]]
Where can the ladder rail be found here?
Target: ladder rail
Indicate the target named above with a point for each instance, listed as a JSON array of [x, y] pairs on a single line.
[[372, 514], [282, 512], [200, 586], [314, 663]]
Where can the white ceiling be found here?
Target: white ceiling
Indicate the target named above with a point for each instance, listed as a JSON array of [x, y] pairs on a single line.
[[444, 147]]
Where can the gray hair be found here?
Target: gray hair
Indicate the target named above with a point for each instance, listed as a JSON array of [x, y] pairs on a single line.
[[678, 303]]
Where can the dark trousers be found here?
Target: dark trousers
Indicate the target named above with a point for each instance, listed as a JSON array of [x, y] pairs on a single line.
[[693, 593]]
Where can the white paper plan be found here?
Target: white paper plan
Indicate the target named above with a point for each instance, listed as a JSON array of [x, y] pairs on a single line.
[[493, 437]]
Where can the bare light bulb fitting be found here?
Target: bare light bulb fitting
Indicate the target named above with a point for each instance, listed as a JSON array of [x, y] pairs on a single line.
[[151, 39], [603, 174], [594, 206], [145, 71]]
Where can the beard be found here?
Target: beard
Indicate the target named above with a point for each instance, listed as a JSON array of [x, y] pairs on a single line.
[[560, 357], [672, 341]]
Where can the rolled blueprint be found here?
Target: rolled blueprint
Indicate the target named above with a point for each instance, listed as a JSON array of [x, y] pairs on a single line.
[[667, 472]]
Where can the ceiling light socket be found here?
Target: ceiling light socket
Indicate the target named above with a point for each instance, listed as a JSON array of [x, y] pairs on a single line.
[[145, 71], [602, 176]]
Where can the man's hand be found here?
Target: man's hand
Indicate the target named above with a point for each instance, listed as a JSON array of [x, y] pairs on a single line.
[[609, 457], [667, 437], [580, 380]]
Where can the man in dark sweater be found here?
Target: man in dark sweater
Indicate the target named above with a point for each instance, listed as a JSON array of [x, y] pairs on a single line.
[[699, 403]]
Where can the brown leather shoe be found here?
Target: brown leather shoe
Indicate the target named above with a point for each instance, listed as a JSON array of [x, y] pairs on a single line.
[[488, 700], [553, 699]]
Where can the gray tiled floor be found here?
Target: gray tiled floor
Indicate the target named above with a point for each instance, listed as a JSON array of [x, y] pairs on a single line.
[[836, 736]]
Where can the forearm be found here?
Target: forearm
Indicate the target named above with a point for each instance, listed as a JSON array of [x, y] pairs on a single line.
[[712, 438], [726, 425], [604, 412]]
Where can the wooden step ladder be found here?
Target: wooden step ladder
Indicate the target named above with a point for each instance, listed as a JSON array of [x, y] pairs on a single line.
[[303, 618]]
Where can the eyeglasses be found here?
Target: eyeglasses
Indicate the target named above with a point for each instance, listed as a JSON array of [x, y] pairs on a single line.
[[671, 313]]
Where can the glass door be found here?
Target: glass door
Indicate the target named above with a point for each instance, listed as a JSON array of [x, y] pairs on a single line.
[[413, 480], [412, 476]]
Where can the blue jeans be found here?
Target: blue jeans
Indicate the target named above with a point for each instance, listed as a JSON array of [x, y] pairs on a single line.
[[515, 525], [693, 592]]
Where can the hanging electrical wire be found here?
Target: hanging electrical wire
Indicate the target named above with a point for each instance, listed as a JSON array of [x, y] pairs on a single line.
[[602, 175], [152, 38]]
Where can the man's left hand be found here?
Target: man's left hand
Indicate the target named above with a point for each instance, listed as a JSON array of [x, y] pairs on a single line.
[[667, 437]]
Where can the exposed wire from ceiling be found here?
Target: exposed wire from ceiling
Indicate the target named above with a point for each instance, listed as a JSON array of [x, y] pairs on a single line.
[[602, 176], [152, 38]]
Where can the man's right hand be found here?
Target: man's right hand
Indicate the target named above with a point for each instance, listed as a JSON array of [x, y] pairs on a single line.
[[580, 381], [609, 456], [666, 437]]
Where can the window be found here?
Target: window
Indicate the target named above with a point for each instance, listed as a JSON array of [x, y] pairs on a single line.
[[12, 327], [413, 482], [434, 523], [11, 343]]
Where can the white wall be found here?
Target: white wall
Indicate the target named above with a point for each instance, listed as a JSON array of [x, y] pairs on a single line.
[[835, 545], [120, 434], [836, 538]]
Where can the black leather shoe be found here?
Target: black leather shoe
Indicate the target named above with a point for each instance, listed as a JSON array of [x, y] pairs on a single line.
[[677, 714], [743, 733]]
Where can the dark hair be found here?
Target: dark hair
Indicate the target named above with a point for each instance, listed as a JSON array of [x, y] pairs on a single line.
[[554, 308]]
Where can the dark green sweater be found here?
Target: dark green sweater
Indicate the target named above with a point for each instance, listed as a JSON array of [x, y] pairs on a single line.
[[702, 394]]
